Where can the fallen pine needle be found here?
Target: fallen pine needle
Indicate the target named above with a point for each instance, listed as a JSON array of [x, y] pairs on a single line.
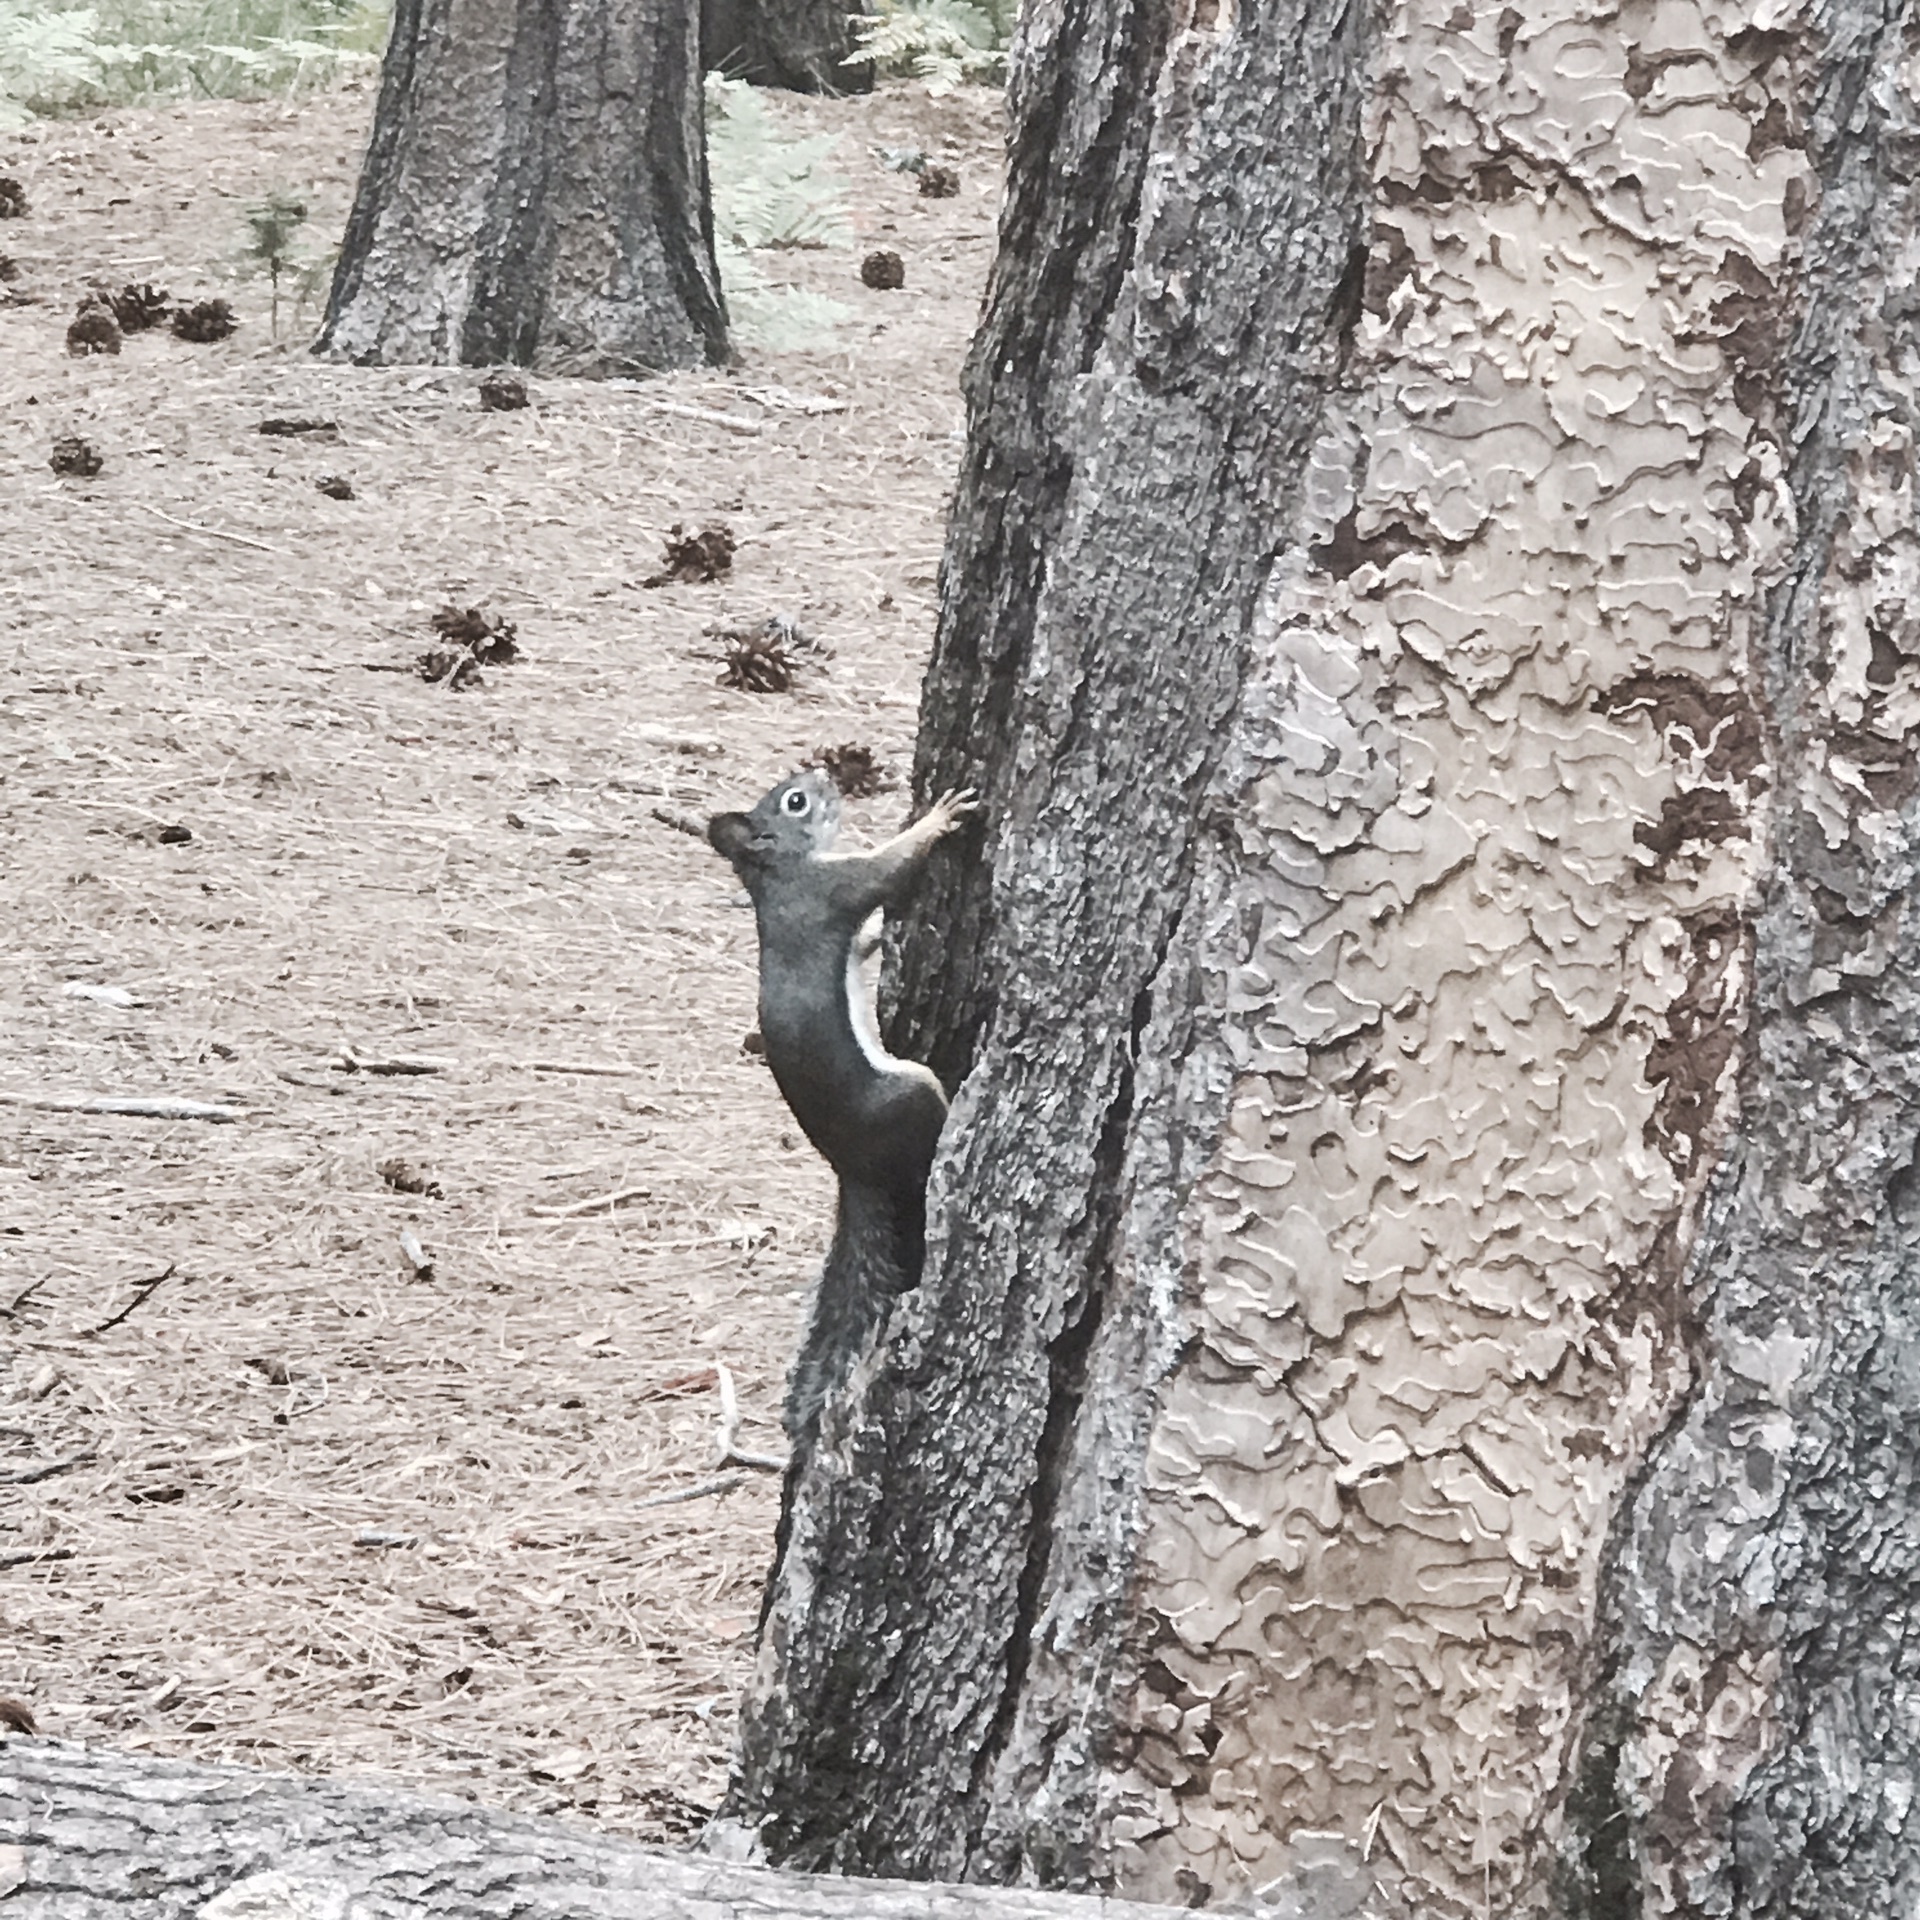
[[46, 1469], [217, 533], [143, 1291]]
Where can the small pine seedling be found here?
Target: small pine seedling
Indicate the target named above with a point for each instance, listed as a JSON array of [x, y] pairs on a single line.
[[273, 224]]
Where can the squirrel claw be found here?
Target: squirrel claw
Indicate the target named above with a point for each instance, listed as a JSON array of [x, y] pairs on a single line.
[[956, 805]]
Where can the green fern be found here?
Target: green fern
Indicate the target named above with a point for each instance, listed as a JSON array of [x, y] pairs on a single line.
[[943, 42], [770, 192], [774, 319], [48, 61], [63, 60]]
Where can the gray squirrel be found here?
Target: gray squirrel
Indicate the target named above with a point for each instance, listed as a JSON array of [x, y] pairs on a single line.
[[874, 1117]]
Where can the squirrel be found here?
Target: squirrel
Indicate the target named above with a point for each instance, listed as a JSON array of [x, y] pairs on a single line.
[[876, 1119]]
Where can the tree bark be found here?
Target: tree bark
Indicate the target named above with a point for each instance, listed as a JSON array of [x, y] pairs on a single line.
[[1177, 281], [1754, 1747], [534, 193], [1410, 1398], [87, 1832], [801, 45]]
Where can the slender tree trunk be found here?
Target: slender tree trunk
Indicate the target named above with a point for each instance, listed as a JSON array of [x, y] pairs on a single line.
[[534, 193], [1411, 1397], [802, 45]]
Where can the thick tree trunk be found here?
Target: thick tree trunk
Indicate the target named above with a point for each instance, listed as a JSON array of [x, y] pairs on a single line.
[[534, 193], [802, 45], [1755, 1747], [85, 1833], [1347, 1434], [1178, 279]]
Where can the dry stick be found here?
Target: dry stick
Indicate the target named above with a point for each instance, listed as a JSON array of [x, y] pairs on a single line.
[[139, 1109], [724, 1484], [726, 1454], [353, 1062], [143, 1291], [31, 1555], [610, 1068], [736, 422], [680, 822], [21, 1298], [27, 1476], [219, 533], [600, 1203], [312, 1086]]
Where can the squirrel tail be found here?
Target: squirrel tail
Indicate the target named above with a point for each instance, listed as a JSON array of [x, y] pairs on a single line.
[[878, 1240]]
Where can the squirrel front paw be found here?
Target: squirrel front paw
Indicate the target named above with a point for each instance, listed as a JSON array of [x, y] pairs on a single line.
[[950, 809]]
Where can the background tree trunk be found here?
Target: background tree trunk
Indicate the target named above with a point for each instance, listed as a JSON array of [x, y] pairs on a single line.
[[534, 193], [85, 1833], [1431, 604], [802, 45]]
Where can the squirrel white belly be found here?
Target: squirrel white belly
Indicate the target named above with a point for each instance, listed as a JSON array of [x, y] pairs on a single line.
[[875, 1118]]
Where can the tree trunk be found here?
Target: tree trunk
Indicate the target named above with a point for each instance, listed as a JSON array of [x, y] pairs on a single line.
[[1411, 1395], [534, 193], [85, 1833], [802, 45], [1754, 1744]]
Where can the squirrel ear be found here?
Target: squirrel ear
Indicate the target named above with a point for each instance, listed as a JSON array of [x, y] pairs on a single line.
[[728, 834]]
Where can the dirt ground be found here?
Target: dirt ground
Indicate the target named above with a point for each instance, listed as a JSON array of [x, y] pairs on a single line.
[[298, 1504]]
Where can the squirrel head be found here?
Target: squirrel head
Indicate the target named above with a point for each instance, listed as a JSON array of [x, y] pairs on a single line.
[[794, 823]]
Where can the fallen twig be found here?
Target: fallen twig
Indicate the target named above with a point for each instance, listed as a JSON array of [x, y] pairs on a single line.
[[726, 1453], [46, 1469], [786, 400], [21, 1298], [416, 1256], [348, 1061], [139, 1109], [724, 1484], [609, 1068], [680, 822], [218, 533], [698, 1381], [733, 422], [312, 1086], [600, 1203], [29, 1556], [143, 1291]]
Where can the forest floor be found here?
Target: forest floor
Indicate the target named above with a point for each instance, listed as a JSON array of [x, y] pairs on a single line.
[[298, 1503]]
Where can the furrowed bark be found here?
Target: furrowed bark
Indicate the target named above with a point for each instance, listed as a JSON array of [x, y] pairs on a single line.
[[1143, 406], [534, 193], [1755, 1748], [1329, 1290]]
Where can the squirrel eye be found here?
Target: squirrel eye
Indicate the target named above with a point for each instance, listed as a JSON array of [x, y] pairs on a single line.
[[796, 802]]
